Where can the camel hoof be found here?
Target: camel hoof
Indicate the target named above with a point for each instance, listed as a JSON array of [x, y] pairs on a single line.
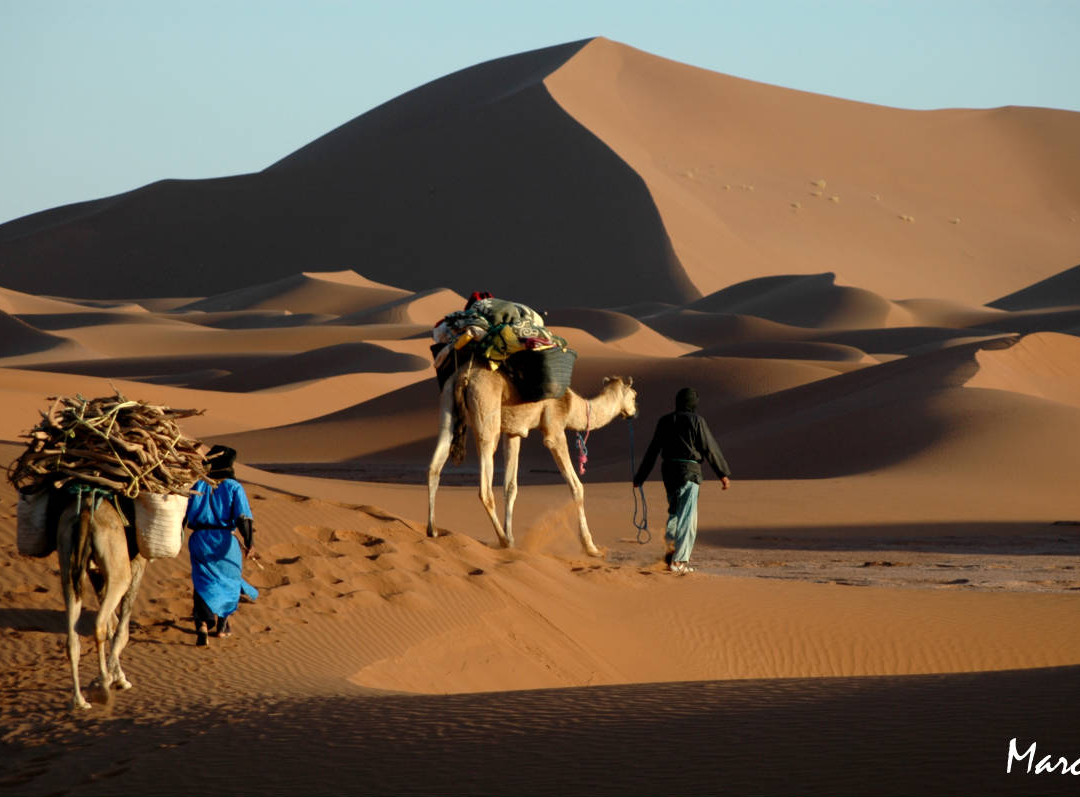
[[80, 702], [432, 532], [123, 684], [597, 552]]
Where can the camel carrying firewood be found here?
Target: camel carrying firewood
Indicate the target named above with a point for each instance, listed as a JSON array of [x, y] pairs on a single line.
[[89, 467], [91, 530], [487, 401]]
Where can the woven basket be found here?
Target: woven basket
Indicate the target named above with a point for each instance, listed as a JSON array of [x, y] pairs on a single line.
[[31, 534], [542, 374], [159, 521]]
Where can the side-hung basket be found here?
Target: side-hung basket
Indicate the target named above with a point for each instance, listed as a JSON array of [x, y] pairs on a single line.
[[159, 521], [31, 532], [542, 374]]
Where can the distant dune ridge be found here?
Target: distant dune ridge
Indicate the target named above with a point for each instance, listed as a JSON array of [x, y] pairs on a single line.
[[584, 159], [476, 178], [880, 310]]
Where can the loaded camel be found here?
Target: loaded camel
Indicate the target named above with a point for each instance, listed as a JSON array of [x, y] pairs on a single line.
[[91, 529], [488, 402], [101, 451]]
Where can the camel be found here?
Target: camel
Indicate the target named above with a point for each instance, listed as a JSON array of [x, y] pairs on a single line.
[[91, 529], [487, 401]]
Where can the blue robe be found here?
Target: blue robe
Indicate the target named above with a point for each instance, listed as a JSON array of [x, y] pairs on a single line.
[[216, 561]]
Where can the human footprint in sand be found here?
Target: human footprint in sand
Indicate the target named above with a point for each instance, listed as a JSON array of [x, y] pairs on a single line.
[[684, 439], [216, 562]]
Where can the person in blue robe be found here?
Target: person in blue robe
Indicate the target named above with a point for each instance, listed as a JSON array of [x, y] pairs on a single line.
[[213, 513]]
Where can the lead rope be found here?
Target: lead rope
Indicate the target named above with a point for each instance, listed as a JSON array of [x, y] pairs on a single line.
[[582, 449], [642, 526]]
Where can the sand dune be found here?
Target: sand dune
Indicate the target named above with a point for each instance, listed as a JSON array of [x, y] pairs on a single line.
[[23, 394], [1055, 291], [424, 308], [606, 325], [427, 607], [255, 319], [705, 329], [754, 180], [401, 427], [914, 407], [801, 185], [151, 369], [788, 350], [355, 601], [942, 313], [20, 338], [18, 303], [1037, 365], [337, 292], [896, 554], [616, 331], [803, 301], [441, 203], [317, 364], [907, 340]]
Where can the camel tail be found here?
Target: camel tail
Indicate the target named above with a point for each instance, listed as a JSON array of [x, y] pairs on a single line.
[[80, 551], [457, 441]]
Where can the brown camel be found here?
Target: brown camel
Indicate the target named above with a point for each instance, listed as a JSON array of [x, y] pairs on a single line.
[[90, 529], [487, 401]]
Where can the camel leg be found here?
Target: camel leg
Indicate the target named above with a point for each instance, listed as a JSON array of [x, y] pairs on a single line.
[[556, 444], [97, 580], [117, 582], [511, 450], [73, 604], [442, 451], [485, 446], [71, 574], [120, 640]]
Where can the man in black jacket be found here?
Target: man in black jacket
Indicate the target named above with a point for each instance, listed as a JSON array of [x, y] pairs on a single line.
[[684, 439]]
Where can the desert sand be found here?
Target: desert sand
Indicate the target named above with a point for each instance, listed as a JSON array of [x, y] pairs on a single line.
[[879, 308]]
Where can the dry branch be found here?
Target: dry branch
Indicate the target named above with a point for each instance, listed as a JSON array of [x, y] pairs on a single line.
[[126, 446]]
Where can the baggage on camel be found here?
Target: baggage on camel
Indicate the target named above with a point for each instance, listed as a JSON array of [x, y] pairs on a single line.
[[499, 334]]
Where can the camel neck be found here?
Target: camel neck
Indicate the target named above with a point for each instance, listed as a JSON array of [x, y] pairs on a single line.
[[587, 414]]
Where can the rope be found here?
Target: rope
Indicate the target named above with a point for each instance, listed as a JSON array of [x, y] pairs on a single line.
[[95, 494], [583, 450], [642, 526]]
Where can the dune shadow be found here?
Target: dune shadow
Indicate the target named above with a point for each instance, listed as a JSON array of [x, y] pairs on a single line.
[[478, 173], [51, 621], [881, 735]]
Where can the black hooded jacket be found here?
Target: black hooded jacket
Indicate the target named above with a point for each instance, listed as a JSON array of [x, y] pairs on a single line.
[[685, 441]]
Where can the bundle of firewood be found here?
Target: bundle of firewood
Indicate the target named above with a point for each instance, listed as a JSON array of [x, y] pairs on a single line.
[[126, 446]]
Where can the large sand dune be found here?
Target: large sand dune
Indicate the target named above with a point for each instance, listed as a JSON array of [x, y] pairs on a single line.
[[754, 180], [879, 308]]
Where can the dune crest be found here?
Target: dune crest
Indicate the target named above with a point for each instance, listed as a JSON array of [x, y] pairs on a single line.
[[338, 292], [1042, 365], [20, 338], [753, 180]]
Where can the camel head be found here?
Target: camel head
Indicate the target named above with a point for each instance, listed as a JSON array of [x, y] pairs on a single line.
[[623, 388]]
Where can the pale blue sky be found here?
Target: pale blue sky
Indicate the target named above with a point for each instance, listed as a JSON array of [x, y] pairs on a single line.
[[102, 96]]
